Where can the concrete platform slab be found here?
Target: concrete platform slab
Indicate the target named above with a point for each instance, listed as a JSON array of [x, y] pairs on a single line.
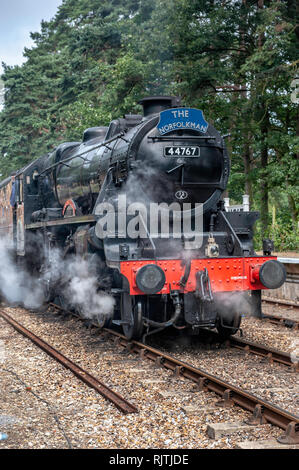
[[197, 410], [169, 393], [154, 381], [137, 371], [217, 430], [267, 444]]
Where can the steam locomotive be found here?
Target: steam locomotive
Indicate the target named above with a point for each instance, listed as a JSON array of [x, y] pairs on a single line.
[[141, 202]]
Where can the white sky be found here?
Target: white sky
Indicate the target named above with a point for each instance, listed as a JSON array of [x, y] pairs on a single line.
[[17, 19]]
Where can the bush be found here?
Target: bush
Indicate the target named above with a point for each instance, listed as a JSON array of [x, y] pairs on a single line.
[[284, 236]]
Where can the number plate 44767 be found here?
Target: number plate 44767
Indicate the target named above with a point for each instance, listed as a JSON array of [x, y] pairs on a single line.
[[177, 151]]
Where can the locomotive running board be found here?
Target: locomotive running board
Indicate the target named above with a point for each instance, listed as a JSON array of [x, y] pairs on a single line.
[[84, 219]]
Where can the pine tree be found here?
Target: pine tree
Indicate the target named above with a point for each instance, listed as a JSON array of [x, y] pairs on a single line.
[[234, 60]]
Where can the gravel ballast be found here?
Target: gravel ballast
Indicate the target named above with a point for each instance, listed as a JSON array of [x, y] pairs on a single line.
[[46, 406]]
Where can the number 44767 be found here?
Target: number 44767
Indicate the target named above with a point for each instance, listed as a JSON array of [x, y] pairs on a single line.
[[177, 151]]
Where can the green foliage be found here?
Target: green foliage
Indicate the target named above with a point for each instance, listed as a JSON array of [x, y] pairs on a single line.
[[1, 93], [234, 60], [283, 235]]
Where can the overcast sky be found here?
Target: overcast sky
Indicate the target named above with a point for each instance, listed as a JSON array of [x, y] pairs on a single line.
[[17, 19]]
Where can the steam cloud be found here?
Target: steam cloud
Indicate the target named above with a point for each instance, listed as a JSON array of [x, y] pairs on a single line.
[[83, 291], [232, 303], [17, 286], [78, 284]]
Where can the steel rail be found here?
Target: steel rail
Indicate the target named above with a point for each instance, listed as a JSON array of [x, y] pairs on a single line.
[[262, 410], [285, 303], [206, 381], [273, 355], [120, 402], [276, 320]]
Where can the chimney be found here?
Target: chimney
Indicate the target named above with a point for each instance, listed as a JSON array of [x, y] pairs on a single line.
[[156, 104]]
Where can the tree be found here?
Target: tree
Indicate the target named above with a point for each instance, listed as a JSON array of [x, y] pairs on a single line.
[[234, 60]]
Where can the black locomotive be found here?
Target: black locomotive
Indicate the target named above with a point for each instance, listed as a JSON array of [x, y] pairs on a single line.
[[141, 201]]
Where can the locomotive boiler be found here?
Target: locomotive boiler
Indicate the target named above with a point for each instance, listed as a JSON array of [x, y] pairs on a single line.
[[141, 202]]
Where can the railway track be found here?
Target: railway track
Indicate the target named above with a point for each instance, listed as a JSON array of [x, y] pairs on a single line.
[[262, 411], [230, 394], [277, 320], [284, 303], [249, 347], [270, 354], [120, 402]]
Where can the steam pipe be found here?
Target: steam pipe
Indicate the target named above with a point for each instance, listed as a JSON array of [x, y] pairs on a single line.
[[170, 322], [184, 278], [212, 222]]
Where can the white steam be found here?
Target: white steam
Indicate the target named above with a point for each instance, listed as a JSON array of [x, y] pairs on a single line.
[[83, 293], [73, 277], [16, 285], [232, 303]]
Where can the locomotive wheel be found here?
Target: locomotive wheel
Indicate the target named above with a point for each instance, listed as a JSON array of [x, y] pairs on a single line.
[[233, 323], [131, 315]]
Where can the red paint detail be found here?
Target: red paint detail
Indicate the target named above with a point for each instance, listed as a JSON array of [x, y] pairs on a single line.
[[69, 203], [226, 274], [255, 273]]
